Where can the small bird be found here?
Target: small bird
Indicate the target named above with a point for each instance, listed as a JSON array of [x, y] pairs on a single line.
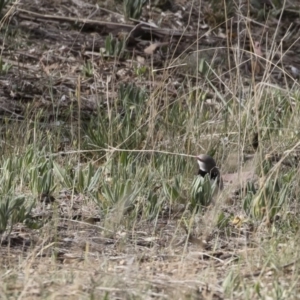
[[207, 165]]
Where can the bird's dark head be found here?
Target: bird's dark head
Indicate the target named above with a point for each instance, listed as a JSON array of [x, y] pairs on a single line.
[[207, 165]]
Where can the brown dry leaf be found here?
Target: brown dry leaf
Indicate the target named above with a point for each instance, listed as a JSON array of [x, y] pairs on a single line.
[[49, 68], [238, 221], [257, 49], [151, 49], [257, 67], [140, 59]]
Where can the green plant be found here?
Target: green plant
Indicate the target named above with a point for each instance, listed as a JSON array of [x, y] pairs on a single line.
[[119, 201], [201, 192], [88, 179], [87, 69], [12, 211], [114, 47], [133, 99], [133, 8], [141, 70], [173, 191], [41, 178], [81, 179], [268, 200], [4, 67], [204, 67], [126, 114], [231, 282]]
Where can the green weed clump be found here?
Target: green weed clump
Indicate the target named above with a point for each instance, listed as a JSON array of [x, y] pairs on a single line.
[[133, 8]]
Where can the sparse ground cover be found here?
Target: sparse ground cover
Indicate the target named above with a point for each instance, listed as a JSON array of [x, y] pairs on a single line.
[[104, 105]]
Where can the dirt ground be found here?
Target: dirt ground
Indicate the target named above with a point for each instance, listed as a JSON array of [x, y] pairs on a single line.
[[47, 45]]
